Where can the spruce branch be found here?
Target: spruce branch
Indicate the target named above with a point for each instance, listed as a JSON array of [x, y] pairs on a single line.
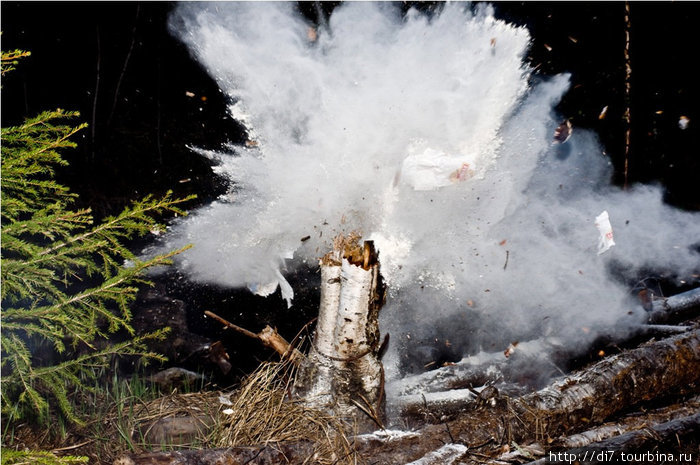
[[9, 59], [67, 283], [63, 378]]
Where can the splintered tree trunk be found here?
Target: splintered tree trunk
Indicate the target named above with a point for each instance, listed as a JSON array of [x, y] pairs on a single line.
[[342, 374]]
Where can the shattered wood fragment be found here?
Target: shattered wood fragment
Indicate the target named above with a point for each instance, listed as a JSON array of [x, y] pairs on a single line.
[[271, 338]]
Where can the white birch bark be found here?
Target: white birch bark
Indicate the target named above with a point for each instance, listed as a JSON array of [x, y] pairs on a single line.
[[343, 374]]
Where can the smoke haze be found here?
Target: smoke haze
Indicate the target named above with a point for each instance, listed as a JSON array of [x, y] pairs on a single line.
[[433, 137]]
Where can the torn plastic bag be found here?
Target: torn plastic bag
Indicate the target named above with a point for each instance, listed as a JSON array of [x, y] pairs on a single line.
[[427, 169], [605, 241]]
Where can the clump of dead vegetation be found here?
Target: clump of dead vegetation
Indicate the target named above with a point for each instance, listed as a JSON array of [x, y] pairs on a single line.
[[262, 412]]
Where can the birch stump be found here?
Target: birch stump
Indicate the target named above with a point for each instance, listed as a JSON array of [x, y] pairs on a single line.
[[343, 374]]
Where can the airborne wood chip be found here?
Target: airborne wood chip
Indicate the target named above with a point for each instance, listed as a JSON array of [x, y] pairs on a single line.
[[563, 132]]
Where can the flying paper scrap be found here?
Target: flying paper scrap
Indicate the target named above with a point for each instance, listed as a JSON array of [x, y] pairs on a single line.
[[605, 241], [431, 169]]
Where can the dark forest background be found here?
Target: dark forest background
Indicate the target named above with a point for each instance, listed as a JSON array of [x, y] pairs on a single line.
[[146, 99]]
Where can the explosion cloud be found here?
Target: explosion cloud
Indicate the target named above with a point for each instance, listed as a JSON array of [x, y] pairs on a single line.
[[432, 136]]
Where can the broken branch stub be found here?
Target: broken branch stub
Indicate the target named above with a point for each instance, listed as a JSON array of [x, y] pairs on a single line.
[[343, 374]]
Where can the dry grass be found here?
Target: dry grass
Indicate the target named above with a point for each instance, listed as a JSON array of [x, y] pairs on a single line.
[[260, 412]]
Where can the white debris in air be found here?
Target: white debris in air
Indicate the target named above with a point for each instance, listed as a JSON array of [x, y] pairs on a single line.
[[605, 241]]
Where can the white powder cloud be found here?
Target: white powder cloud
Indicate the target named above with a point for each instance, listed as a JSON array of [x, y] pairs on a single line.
[[431, 136]]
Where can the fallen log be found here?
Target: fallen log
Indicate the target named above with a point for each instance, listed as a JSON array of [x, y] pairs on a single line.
[[488, 368], [569, 405], [640, 446], [472, 371], [445, 455], [670, 307], [621, 425], [622, 380], [660, 329], [607, 434]]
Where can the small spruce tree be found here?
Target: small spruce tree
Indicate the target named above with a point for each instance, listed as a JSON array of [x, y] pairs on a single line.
[[67, 283]]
